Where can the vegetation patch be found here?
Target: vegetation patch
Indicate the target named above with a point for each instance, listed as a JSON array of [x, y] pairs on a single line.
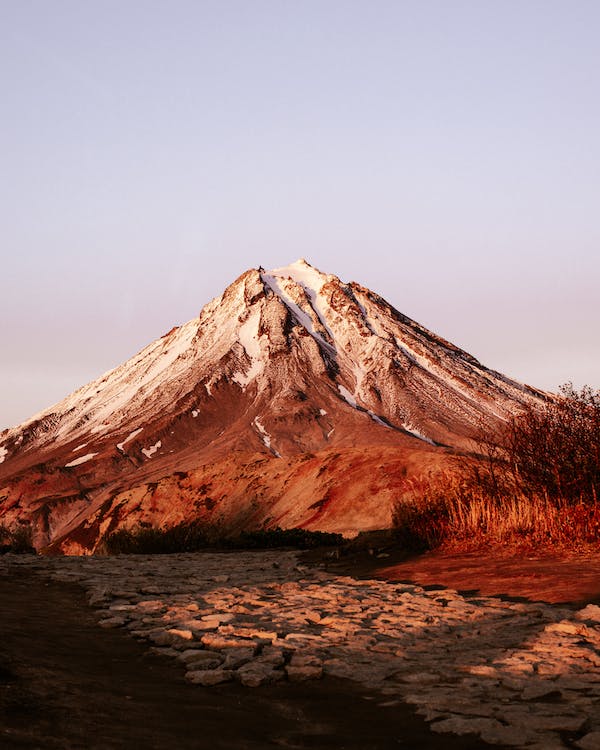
[[535, 485], [195, 536], [148, 540], [296, 538], [16, 540]]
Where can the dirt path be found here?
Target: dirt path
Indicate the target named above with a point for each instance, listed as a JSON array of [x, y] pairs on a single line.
[[66, 683], [554, 579]]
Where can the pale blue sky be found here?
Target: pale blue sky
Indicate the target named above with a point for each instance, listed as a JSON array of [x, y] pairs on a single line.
[[445, 154]]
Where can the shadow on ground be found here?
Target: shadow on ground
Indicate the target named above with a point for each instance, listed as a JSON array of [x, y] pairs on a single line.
[[66, 683]]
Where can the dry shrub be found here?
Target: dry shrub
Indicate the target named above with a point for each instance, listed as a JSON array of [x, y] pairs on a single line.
[[148, 540], [553, 450], [16, 539], [195, 536], [535, 485], [459, 516], [420, 516]]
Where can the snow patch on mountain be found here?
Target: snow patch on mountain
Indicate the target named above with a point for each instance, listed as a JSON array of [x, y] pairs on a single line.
[[416, 433], [377, 419], [373, 327], [347, 396], [249, 338], [359, 372], [3, 454], [283, 287], [81, 460], [149, 452], [312, 281], [103, 401], [266, 438], [129, 437], [278, 287]]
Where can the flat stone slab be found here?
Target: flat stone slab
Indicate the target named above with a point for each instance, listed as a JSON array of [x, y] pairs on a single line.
[[517, 674]]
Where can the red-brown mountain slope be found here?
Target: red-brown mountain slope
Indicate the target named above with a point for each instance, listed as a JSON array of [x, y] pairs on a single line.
[[294, 399]]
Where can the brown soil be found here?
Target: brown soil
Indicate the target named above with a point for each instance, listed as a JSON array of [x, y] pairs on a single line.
[[548, 578], [67, 683]]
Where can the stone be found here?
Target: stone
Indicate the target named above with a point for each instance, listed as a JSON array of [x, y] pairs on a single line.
[[217, 642], [236, 657], [568, 628], [112, 622], [303, 637], [591, 613], [151, 605], [199, 627], [173, 637], [305, 660], [483, 670], [199, 659], [540, 691], [271, 655], [507, 735], [217, 618], [559, 722], [208, 678], [256, 673], [185, 635], [263, 635], [465, 725]]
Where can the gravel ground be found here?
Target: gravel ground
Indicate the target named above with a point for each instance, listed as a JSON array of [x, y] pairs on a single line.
[[344, 656]]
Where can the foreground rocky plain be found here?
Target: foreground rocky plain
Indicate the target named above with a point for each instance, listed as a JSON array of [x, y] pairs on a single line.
[[517, 674]]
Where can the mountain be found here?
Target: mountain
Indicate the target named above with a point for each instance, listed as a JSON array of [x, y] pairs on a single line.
[[294, 399]]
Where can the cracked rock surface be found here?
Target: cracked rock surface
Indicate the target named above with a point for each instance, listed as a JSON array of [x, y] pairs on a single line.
[[516, 674]]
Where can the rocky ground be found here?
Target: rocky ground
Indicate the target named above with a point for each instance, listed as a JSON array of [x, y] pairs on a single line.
[[517, 674]]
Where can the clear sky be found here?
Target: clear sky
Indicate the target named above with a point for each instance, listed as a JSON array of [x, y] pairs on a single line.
[[445, 154]]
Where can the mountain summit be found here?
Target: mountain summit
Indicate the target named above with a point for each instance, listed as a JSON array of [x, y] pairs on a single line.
[[294, 399]]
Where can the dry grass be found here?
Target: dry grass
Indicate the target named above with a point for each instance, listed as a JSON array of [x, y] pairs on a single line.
[[454, 514], [535, 485]]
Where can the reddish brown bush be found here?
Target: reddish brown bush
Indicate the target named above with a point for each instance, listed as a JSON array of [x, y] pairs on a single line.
[[555, 450], [537, 484]]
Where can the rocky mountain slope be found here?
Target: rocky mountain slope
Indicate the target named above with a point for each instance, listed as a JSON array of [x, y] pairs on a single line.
[[294, 399]]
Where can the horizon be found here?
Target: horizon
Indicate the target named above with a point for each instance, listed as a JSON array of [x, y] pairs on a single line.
[[445, 158]]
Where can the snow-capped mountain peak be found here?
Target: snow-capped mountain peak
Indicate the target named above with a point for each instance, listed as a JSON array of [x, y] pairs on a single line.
[[285, 363]]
